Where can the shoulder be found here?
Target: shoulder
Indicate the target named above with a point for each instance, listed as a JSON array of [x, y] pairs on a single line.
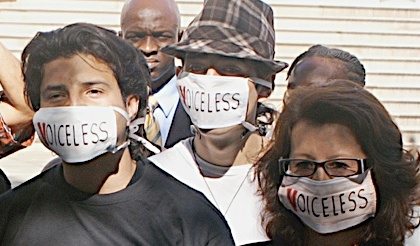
[[15, 202], [182, 195], [24, 192], [177, 153], [184, 204]]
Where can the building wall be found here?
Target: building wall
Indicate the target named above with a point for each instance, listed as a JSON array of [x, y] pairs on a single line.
[[384, 35]]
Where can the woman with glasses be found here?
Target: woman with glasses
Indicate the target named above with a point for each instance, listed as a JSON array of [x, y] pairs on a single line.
[[336, 173]]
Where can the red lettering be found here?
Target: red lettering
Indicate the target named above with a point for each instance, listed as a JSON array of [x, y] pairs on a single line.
[[182, 93], [42, 127], [291, 196]]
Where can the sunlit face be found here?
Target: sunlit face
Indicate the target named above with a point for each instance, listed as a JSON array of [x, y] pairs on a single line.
[[151, 25], [323, 142], [217, 65], [82, 80]]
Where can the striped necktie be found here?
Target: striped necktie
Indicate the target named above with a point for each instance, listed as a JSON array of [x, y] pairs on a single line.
[[151, 125]]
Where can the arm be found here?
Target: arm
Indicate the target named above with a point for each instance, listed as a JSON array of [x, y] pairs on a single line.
[[15, 112], [16, 129]]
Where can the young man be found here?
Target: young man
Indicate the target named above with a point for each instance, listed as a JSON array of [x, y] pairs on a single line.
[[87, 86], [149, 26], [228, 64]]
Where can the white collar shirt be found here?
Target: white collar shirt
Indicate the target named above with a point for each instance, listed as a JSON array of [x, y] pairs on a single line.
[[167, 98]]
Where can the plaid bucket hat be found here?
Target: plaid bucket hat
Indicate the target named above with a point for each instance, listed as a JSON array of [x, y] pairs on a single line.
[[233, 28]]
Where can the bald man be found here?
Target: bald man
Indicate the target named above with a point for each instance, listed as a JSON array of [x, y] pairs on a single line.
[[149, 26]]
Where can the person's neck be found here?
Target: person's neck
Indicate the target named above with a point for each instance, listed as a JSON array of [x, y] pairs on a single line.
[[106, 174], [229, 150], [156, 85], [348, 237]]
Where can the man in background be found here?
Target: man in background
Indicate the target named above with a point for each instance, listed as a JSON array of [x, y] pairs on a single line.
[[149, 26]]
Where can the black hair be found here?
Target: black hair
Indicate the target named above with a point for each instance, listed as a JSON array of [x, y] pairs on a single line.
[[355, 69], [127, 63]]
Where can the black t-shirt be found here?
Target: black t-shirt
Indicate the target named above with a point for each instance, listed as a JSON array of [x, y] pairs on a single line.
[[154, 210], [5, 184]]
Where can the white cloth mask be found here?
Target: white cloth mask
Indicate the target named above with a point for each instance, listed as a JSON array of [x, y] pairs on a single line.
[[79, 133], [330, 205], [216, 101]]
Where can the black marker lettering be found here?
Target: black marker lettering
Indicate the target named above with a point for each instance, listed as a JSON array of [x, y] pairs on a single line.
[[363, 198], [342, 203], [84, 133], [324, 207], [68, 135], [58, 135], [236, 100], [352, 200]]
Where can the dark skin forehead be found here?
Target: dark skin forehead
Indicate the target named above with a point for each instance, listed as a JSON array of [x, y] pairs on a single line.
[[164, 12], [316, 70]]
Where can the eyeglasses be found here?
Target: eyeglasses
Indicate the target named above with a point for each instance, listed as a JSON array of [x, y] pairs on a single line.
[[341, 167]]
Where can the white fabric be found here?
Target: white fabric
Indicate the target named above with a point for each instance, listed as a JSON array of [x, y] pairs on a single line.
[[168, 98], [79, 133], [332, 205], [243, 215], [214, 101]]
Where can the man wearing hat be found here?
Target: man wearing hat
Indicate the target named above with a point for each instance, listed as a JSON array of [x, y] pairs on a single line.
[[228, 64]]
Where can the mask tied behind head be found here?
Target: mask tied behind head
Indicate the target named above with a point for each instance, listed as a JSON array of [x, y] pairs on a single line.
[[79, 133], [330, 205], [133, 128], [216, 101]]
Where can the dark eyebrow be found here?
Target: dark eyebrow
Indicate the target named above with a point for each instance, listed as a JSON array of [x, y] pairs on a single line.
[[55, 87], [91, 83], [50, 88]]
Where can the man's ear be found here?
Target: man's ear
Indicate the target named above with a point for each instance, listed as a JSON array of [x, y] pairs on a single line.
[[132, 105]]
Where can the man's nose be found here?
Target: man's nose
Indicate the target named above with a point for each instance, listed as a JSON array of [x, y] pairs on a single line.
[[75, 101], [212, 71], [148, 45]]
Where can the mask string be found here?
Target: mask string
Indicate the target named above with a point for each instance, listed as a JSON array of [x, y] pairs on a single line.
[[248, 128], [133, 128], [122, 112], [195, 131], [114, 150]]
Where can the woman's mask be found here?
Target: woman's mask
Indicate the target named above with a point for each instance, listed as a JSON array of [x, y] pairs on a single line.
[[330, 205]]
